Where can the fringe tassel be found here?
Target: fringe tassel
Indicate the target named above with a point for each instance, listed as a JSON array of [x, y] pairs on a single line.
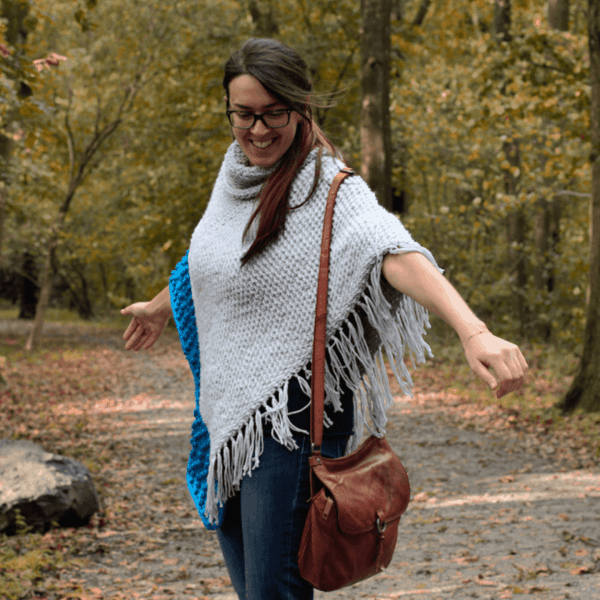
[[356, 358]]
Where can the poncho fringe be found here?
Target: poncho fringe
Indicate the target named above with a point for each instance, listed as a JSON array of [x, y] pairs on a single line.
[[253, 324], [352, 362]]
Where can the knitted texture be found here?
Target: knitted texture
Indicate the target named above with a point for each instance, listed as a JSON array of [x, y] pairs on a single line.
[[184, 315], [255, 323]]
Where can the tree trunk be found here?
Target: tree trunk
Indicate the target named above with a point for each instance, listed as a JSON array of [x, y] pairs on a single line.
[[80, 298], [558, 14], [548, 212], [502, 20], [375, 133], [47, 271], [516, 222], [263, 18], [584, 392], [14, 14], [29, 289], [547, 235], [516, 234], [4, 157], [45, 288]]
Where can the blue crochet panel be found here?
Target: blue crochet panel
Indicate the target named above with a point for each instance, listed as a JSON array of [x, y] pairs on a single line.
[[184, 314]]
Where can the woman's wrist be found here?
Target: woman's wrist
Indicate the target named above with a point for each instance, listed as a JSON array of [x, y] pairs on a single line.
[[161, 303], [472, 331]]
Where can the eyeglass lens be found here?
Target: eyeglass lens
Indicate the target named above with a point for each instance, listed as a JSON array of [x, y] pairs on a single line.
[[246, 120]]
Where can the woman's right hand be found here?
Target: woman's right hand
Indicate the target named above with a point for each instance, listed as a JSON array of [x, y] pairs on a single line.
[[149, 321]]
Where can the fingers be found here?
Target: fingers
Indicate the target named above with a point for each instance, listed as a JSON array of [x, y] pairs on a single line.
[[484, 374], [136, 335], [149, 340], [139, 337], [130, 329], [506, 359], [517, 366], [510, 374], [133, 338]]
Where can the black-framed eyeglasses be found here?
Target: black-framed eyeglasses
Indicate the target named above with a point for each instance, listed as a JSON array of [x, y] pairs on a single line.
[[241, 119]]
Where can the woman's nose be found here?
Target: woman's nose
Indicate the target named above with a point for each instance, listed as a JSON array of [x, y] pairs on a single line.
[[259, 128]]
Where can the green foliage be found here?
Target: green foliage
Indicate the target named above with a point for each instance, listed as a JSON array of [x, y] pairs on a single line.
[[133, 215], [457, 99], [460, 99]]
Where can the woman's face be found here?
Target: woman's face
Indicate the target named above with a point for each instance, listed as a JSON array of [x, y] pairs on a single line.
[[262, 145]]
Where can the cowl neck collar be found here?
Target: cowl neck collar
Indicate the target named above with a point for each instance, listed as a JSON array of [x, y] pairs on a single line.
[[243, 181]]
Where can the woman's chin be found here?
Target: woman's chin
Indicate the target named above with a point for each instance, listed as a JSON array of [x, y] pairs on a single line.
[[265, 158]]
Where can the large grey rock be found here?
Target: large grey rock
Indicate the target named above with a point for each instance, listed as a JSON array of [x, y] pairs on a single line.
[[46, 488]]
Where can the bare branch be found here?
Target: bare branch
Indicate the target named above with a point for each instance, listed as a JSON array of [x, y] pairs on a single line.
[[99, 138], [421, 13], [336, 87]]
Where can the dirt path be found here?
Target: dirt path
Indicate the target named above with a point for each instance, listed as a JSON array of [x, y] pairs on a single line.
[[487, 519], [491, 517]]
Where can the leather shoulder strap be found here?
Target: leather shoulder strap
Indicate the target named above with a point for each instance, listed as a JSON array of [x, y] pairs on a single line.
[[318, 361]]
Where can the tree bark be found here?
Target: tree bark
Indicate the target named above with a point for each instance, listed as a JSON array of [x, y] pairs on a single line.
[[46, 278], [14, 14], [548, 211], [516, 221], [45, 289], [558, 14], [264, 19], [502, 20], [29, 291], [4, 180], [375, 133], [584, 393]]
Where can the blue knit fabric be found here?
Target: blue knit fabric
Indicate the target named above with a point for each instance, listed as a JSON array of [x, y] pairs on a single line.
[[185, 320]]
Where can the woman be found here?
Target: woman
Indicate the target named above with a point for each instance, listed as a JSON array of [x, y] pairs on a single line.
[[244, 298]]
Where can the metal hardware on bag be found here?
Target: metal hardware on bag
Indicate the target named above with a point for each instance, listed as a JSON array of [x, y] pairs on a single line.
[[380, 529], [314, 448]]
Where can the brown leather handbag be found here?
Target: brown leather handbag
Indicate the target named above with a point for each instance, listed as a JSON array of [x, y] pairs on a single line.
[[357, 500]]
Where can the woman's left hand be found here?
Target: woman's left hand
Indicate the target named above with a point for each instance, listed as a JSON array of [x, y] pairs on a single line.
[[485, 351]]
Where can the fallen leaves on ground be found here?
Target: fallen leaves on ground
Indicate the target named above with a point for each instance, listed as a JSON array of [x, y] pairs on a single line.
[[530, 418], [81, 400]]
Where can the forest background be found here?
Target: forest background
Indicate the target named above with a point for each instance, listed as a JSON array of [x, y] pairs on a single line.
[[111, 135], [114, 130]]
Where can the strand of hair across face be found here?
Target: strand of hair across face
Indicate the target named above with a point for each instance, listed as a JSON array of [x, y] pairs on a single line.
[[272, 207]]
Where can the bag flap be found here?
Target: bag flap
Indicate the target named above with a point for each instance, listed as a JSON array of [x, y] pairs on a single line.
[[366, 484]]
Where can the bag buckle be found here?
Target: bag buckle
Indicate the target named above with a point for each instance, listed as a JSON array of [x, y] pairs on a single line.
[[380, 526]]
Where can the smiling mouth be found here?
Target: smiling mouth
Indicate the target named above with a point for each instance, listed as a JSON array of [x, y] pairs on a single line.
[[262, 145]]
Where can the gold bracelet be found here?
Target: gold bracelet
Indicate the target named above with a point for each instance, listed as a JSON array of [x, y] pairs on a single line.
[[486, 330]]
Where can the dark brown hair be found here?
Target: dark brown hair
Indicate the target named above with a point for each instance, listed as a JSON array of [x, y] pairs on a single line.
[[284, 74]]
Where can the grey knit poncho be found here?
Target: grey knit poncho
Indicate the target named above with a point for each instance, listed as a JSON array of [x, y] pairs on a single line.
[[255, 323]]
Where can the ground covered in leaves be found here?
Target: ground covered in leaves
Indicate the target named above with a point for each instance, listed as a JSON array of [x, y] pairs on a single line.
[[505, 493]]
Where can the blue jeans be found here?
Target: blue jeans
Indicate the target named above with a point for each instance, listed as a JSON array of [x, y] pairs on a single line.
[[263, 523]]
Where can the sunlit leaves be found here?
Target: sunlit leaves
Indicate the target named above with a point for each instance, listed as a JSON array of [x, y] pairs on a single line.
[[457, 99], [460, 100]]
